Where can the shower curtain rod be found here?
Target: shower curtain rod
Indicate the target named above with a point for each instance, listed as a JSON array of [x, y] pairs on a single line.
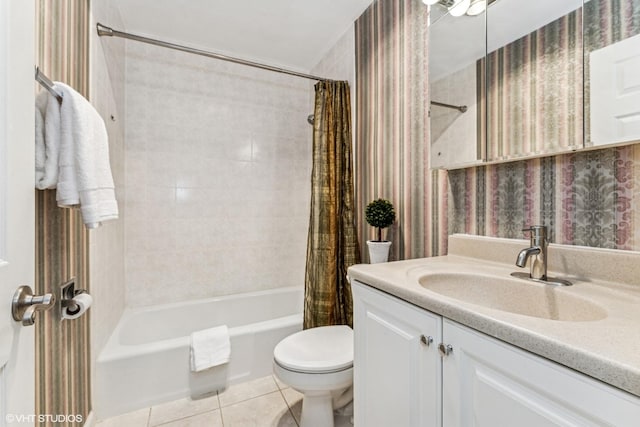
[[107, 31], [461, 108]]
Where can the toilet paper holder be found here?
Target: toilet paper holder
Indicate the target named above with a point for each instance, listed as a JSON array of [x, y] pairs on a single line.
[[69, 291]]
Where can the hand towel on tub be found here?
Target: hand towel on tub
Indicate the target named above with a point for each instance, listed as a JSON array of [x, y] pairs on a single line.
[[209, 348], [84, 173]]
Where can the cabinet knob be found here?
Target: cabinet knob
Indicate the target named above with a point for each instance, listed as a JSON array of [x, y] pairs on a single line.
[[426, 340], [445, 350]]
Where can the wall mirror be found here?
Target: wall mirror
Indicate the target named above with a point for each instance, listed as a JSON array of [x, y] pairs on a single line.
[[534, 78], [457, 46], [556, 77]]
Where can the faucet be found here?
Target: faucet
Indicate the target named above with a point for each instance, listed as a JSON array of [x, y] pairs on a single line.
[[537, 252]]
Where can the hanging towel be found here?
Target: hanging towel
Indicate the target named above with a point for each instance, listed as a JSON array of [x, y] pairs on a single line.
[[210, 347], [84, 173], [47, 140]]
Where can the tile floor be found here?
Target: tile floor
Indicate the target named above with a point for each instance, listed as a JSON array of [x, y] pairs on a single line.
[[265, 402]]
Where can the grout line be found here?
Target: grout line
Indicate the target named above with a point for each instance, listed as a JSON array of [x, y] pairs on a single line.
[[288, 407], [220, 408]]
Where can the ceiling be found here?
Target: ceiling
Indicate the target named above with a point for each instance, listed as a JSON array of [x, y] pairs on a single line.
[[295, 34]]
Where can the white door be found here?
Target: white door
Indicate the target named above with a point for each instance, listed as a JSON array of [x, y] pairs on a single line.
[[16, 206], [396, 363], [615, 92]]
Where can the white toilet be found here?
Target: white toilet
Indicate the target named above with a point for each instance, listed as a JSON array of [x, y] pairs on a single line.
[[318, 363]]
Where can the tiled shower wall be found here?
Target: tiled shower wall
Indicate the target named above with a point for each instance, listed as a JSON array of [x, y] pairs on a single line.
[[218, 160], [106, 246]]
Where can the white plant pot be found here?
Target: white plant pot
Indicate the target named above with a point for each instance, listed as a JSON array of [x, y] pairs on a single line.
[[378, 251]]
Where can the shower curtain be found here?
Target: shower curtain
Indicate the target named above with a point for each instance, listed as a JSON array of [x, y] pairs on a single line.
[[332, 245]]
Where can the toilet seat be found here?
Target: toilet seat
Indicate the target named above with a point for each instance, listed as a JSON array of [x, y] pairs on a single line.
[[319, 350]]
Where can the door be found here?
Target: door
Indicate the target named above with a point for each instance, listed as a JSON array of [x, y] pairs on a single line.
[[16, 206], [615, 92], [397, 377]]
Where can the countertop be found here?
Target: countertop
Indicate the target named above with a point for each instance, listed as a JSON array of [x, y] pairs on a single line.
[[607, 348]]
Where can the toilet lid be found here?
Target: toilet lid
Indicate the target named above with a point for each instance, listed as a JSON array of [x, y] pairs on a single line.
[[322, 349]]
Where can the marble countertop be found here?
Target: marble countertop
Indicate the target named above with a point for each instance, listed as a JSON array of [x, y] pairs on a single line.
[[607, 348]]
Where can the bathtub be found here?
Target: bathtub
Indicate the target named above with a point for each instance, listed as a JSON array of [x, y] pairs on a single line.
[[146, 360]]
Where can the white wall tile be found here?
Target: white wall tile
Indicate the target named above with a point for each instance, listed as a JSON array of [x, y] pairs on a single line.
[[218, 166], [106, 250]]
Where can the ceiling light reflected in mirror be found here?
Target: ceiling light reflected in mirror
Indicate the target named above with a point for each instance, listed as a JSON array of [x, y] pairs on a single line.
[[460, 7], [476, 7]]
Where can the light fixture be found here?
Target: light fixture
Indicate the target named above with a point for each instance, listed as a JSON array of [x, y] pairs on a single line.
[[430, 2], [476, 7], [460, 8]]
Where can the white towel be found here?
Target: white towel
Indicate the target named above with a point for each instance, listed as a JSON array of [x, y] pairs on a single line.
[[84, 173], [210, 347], [47, 140]]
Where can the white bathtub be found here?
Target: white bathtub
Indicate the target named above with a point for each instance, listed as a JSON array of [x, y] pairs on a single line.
[[146, 360]]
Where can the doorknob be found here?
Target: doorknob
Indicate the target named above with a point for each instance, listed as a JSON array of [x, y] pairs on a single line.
[[25, 305]]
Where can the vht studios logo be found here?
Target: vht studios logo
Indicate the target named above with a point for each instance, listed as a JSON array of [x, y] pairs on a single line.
[[43, 418]]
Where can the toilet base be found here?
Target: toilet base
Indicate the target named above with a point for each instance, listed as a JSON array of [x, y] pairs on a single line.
[[317, 410]]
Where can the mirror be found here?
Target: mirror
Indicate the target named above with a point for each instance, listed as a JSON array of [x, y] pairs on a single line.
[[456, 51], [556, 77], [534, 78], [612, 71]]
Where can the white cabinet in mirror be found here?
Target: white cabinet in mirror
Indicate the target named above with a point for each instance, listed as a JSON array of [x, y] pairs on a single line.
[[612, 72]]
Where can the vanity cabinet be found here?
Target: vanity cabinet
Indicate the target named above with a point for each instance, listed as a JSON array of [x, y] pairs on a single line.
[[481, 381], [397, 368]]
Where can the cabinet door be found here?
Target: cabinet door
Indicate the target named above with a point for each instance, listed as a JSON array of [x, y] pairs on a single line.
[[488, 383], [397, 372]]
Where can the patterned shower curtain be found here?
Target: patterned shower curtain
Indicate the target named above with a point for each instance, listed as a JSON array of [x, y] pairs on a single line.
[[332, 245]]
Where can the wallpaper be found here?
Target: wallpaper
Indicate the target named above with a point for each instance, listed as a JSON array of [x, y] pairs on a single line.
[[391, 128], [534, 91], [62, 347], [588, 198]]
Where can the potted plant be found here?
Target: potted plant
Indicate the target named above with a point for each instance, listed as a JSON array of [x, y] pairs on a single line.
[[379, 214]]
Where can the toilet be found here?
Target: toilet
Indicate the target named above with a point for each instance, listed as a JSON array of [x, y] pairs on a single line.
[[318, 363]]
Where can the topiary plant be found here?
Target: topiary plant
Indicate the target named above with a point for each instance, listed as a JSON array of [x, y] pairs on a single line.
[[380, 214]]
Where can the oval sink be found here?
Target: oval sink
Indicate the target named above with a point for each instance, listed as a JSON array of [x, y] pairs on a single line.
[[514, 295]]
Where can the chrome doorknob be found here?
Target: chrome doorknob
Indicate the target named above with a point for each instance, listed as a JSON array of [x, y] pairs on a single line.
[[25, 305]]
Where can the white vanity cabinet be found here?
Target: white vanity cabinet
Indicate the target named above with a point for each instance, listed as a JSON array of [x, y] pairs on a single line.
[[481, 382], [397, 368], [489, 383]]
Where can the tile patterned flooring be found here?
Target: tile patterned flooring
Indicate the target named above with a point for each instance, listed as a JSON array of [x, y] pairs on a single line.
[[265, 402]]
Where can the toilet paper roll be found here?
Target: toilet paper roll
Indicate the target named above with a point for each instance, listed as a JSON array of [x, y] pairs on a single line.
[[83, 302]]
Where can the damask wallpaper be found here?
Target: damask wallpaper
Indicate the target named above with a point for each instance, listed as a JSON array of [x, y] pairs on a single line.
[[589, 198]]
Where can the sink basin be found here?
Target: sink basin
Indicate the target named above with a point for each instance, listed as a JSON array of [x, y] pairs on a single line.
[[514, 295]]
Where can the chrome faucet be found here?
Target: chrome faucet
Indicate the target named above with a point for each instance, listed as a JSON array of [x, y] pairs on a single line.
[[537, 252]]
